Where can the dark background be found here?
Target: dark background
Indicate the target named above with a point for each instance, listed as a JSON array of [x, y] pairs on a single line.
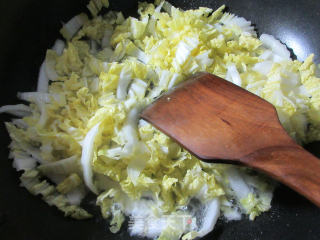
[[29, 27]]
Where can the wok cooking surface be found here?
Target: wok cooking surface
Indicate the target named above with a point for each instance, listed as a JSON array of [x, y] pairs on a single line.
[[29, 27]]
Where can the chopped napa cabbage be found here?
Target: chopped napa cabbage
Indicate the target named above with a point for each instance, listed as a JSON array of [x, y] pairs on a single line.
[[50, 61], [211, 212], [76, 195], [253, 194], [31, 180], [58, 46], [47, 70], [124, 80], [43, 80], [95, 6], [105, 42], [133, 51], [81, 129], [65, 167], [238, 25], [73, 25], [19, 110], [116, 221], [233, 75], [275, 46], [20, 123], [22, 161], [69, 184], [137, 27], [37, 97], [87, 155]]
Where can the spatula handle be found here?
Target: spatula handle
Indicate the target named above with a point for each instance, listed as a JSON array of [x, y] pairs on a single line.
[[291, 165]]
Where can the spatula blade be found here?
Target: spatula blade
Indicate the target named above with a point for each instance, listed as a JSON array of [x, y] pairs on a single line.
[[215, 119]]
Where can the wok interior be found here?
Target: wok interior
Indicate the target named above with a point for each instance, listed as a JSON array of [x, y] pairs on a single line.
[[29, 27]]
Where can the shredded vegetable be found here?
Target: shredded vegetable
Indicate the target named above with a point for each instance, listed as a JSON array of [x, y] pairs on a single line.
[[81, 132]]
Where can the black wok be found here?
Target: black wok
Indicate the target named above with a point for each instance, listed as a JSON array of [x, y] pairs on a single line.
[[29, 27]]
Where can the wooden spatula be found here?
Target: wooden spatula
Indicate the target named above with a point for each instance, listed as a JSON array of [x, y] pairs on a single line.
[[219, 121]]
